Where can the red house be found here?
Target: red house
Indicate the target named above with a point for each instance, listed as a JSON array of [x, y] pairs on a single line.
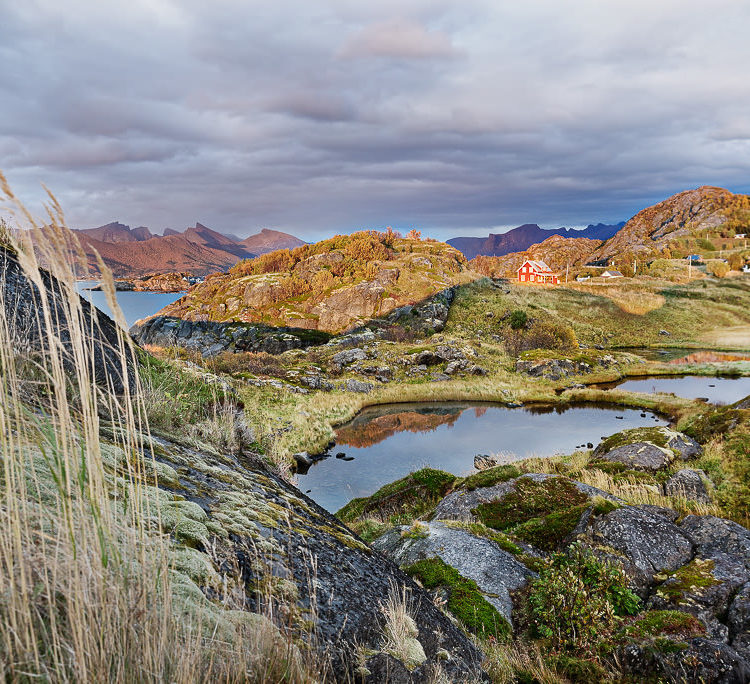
[[536, 272]]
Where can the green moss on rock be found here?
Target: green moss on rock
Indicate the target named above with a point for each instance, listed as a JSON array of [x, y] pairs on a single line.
[[673, 623], [490, 477], [690, 578], [542, 513], [465, 600], [404, 499]]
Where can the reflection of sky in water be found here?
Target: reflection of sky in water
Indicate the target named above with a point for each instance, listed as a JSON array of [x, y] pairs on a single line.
[[134, 305], [519, 433], [724, 390]]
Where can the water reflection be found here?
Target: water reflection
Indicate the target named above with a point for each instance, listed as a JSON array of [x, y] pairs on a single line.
[[387, 442], [717, 390]]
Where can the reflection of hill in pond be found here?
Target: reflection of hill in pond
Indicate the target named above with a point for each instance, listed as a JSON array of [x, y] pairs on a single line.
[[711, 357], [365, 434]]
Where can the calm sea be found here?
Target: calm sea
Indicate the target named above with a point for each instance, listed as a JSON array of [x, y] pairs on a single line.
[[134, 305]]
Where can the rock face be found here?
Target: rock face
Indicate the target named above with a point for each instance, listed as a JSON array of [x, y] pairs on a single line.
[[276, 534], [28, 330], [648, 449], [555, 369], [704, 660], [640, 456], [496, 572], [213, 338]]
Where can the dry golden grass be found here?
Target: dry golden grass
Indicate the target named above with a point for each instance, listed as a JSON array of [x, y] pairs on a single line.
[[88, 592]]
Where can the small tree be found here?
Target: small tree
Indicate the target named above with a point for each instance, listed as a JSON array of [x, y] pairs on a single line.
[[717, 268], [414, 234]]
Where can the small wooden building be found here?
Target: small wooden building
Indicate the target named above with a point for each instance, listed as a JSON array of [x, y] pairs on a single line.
[[612, 274], [536, 272]]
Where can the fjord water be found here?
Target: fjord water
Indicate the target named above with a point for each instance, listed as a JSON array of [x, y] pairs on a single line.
[[134, 305], [718, 390], [388, 442]]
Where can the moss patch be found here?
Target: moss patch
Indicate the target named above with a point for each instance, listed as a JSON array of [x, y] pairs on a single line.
[[673, 623], [490, 477], [403, 500], [542, 513], [690, 578], [464, 598], [658, 436]]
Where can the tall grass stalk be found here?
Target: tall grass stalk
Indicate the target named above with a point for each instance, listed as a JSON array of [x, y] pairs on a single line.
[[85, 572]]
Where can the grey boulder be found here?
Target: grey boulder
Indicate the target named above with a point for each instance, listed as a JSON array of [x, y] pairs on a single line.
[[643, 542], [689, 484], [496, 572]]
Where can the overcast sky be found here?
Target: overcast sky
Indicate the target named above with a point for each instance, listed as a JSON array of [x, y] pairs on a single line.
[[325, 116]]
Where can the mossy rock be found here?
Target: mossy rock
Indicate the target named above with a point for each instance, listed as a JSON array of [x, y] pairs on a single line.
[[542, 513], [464, 598], [665, 623], [491, 476], [404, 499]]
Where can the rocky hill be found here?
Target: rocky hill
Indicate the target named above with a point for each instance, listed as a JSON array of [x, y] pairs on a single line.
[[557, 252], [523, 237], [329, 286], [199, 250], [675, 225], [683, 215]]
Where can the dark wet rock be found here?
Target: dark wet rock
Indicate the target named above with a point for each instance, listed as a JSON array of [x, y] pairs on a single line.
[[690, 484], [644, 543], [211, 338], [738, 621], [699, 660], [496, 572], [352, 385], [711, 534], [383, 667], [30, 334], [272, 532]]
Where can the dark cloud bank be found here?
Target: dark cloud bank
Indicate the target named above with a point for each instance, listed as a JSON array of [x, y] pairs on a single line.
[[323, 117]]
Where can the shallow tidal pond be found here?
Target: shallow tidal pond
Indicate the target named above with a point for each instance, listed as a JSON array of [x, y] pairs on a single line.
[[718, 390], [385, 443]]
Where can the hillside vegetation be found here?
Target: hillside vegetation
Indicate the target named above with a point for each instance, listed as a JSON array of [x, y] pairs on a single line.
[[331, 285]]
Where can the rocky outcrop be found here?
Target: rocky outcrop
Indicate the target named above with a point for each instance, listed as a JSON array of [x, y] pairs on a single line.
[[556, 369], [273, 535], [213, 338], [645, 544], [335, 285], [30, 333]]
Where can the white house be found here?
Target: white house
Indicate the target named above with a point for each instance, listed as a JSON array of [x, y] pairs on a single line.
[[612, 274]]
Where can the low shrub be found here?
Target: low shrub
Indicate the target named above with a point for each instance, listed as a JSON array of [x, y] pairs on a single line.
[[577, 601]]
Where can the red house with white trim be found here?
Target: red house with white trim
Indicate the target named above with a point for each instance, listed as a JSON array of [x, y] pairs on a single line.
[[536, 272]]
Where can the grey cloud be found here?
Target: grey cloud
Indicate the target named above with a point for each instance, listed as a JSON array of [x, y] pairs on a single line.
[[316, 118], [400, 39]]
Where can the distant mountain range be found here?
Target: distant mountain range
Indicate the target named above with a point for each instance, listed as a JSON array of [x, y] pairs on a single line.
[[521, 238], [134, 252]]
